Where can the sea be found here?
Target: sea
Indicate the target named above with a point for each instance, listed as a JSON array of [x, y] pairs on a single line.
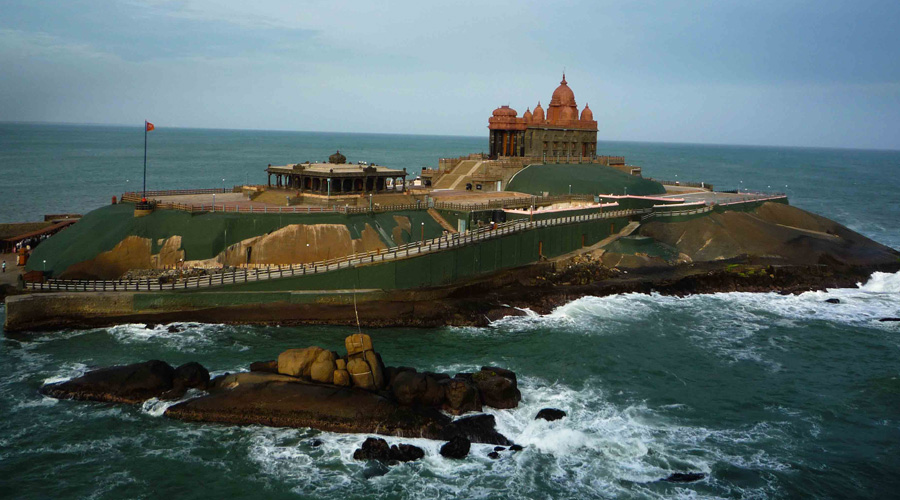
[[768, 395]]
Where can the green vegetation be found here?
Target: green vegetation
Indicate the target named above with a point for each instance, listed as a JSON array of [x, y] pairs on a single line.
[[583, 178]]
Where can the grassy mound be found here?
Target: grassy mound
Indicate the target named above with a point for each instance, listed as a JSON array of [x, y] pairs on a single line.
[[583, 179]]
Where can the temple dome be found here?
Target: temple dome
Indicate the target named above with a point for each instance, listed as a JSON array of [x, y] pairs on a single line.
[[563, 95], [527, 115], [569, 113], [538, 115], [587, 114], [505, 111]]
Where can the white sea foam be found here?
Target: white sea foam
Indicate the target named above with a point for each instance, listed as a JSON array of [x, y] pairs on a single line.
[[156, 407], [189, 337], [67, 371]]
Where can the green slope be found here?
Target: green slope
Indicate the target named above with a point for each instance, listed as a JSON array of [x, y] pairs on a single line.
[[583, 179], [203, 235]]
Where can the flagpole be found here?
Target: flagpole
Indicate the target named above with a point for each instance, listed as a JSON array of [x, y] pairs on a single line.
[[144, 195]]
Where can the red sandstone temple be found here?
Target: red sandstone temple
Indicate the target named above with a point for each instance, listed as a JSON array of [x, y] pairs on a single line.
[[561, 134]]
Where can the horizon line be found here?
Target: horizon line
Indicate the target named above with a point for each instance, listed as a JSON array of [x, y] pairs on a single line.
[[636, 141]]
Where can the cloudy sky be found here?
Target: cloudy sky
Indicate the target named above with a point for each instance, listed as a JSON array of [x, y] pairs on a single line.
[[780, 72]]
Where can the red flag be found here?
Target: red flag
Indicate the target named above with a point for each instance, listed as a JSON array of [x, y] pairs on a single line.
[[149, 126]]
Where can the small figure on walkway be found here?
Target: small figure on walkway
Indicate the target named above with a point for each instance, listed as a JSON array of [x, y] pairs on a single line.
[[4, 266]]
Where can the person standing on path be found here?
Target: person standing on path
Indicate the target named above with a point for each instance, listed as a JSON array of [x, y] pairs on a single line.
[[4, 266]]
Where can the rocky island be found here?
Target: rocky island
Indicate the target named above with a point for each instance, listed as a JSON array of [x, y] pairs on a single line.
[[540, 220]]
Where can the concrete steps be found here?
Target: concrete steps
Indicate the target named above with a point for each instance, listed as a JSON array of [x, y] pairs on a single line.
[[455, 177]]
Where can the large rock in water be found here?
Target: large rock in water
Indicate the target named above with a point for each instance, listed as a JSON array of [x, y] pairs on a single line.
[[477, 428], [322, 369], [191, 375], [461, 395], [131, 384], [498, 387], [458, 447], [303, 404]]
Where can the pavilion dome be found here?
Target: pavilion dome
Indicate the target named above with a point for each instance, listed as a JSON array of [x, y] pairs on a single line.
[[563, 95], [569, 113], [505, 111], [527, 116], [538, 115], [587, 114]]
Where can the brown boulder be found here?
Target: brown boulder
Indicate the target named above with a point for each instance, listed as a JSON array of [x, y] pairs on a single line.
[[361, 374], [358, 343], [298, 362], [341, 378], [322, 369], [374, 362], [460, 396], [232, 380], [190, 375]]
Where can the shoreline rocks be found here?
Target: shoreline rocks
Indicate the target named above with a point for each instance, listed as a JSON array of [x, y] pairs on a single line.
[[550, 414]]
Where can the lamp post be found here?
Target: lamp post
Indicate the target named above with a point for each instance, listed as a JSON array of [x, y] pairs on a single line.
[[214, 202], [423, 234], [45, 265]]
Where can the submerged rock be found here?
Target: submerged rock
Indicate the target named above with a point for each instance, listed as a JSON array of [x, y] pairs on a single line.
[[378, 449], [550, 414], [515, 447], [833, 301], [131, 384], [494, 455], [684, 477], [458, 447], [884, 320], [477, 428]]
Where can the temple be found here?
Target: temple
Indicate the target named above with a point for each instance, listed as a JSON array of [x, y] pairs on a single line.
[[560, 134], [337, 178]]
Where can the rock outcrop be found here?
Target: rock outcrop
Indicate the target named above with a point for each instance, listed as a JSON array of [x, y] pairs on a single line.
[[378, 449], [131, 384]]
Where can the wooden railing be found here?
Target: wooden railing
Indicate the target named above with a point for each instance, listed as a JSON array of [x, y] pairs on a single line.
[[440, 244]]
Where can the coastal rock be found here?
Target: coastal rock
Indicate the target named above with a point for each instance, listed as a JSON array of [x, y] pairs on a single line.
[[298, 362], [232, 380], [131, 384], [515, 447], [191, 375], [460, 396], [886, 320], [408, 387], [493, 455], [498, 387], [322, 370], [550, 414], [264, 366], [833, 301], [458, 447], [477, 429], [279, 403], [503, 312], [377, 367]]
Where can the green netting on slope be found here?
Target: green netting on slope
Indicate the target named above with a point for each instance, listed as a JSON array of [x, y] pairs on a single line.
[[203, 235], [583, 179]]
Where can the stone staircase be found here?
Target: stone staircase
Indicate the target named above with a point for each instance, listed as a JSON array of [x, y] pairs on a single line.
[[457, 177], [442, 221]]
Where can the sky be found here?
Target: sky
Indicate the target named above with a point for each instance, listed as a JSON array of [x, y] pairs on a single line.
[[822, 73]]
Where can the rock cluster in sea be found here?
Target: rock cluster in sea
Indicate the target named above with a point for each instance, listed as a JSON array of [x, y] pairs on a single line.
[[317, 388]]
